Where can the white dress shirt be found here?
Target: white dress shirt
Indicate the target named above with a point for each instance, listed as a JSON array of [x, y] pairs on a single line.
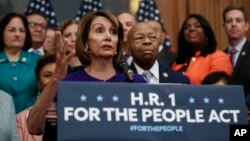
[[238, 48], [39, 51], [154, 70]]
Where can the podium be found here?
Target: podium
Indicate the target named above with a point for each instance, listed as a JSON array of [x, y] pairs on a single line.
[[148, 112]]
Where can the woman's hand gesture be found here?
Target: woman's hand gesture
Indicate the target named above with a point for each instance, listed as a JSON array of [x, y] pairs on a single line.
[[63, 57]]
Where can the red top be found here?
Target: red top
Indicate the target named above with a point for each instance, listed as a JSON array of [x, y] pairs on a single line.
[[200, 66]]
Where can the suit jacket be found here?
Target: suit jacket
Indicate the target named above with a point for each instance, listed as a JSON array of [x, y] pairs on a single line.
[[167, 75], [241, 73], [166, 57]]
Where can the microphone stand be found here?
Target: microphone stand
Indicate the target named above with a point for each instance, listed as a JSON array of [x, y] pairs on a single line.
[[124, 68], [129, 76]]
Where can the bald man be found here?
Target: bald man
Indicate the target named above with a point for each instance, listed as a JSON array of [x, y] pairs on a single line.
[[143, 46]]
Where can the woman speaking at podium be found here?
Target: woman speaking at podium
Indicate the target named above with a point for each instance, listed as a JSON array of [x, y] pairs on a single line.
[[98, 47]]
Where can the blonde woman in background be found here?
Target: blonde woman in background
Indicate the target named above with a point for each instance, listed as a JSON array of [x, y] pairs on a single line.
[[69, 28]]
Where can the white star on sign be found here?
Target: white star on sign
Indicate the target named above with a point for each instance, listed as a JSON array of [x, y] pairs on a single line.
[[221, 100], [83, 97], [206, 100], [191, 100], [115, 98], [99, 98]]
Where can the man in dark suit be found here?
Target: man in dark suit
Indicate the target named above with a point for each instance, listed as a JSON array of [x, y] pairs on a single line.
[[143, 46], [236, 25], [166, 56]]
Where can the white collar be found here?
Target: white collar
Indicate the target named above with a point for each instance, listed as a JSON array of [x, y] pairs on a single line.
[[40, 49], [154, 69], [240, 45]]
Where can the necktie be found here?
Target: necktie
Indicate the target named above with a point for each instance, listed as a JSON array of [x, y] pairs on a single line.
[[232, 52], [147, 75], [125, 57]]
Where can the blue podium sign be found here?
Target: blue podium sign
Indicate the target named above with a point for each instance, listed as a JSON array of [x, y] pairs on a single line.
[[144, 112]]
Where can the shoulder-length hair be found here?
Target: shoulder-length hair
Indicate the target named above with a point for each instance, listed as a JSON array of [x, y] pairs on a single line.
[[210, 43], [83, 34], [3, 24]]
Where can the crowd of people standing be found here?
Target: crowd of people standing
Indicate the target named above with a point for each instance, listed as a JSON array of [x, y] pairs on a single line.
[[93, 49]]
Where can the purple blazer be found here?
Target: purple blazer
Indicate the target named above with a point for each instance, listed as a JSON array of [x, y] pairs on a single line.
[[81, 75]]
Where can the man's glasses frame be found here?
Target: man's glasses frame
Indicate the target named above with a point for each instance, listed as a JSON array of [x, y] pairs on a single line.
[[36, 25]]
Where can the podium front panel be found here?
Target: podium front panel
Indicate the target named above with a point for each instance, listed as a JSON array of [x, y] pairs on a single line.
[[146, 112]]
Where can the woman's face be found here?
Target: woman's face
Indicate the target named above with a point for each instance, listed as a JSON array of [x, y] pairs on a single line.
[[69, 36], [103, 38], [14, 34], [45, 74], [193, 32]]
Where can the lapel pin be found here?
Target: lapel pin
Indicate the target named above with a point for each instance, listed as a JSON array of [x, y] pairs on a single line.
[[243, 53], [165, 74]]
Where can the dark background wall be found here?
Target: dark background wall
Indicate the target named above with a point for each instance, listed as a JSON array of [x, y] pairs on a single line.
[[65, 9]]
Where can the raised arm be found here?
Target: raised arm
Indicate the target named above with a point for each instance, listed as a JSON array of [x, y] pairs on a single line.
[[37, 114]]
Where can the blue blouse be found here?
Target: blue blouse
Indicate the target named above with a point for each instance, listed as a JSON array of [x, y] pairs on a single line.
[[19, 78]]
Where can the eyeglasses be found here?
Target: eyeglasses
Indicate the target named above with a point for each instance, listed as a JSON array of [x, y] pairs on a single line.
[[36, 25]]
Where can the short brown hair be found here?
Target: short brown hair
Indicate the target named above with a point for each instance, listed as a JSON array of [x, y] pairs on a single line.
[[83, 34], [43, 61], [235, 7]]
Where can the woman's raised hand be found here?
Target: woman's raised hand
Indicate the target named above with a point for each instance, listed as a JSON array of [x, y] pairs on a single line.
[[63, 57]]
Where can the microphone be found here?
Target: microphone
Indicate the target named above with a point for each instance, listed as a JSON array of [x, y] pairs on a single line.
[[124, 68]]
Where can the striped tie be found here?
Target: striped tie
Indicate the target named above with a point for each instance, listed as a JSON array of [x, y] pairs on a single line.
[[232, 52], [147, 75], [125, 57]]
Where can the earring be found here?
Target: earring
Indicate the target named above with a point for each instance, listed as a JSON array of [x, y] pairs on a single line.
[[115, 52], [86, 47]]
